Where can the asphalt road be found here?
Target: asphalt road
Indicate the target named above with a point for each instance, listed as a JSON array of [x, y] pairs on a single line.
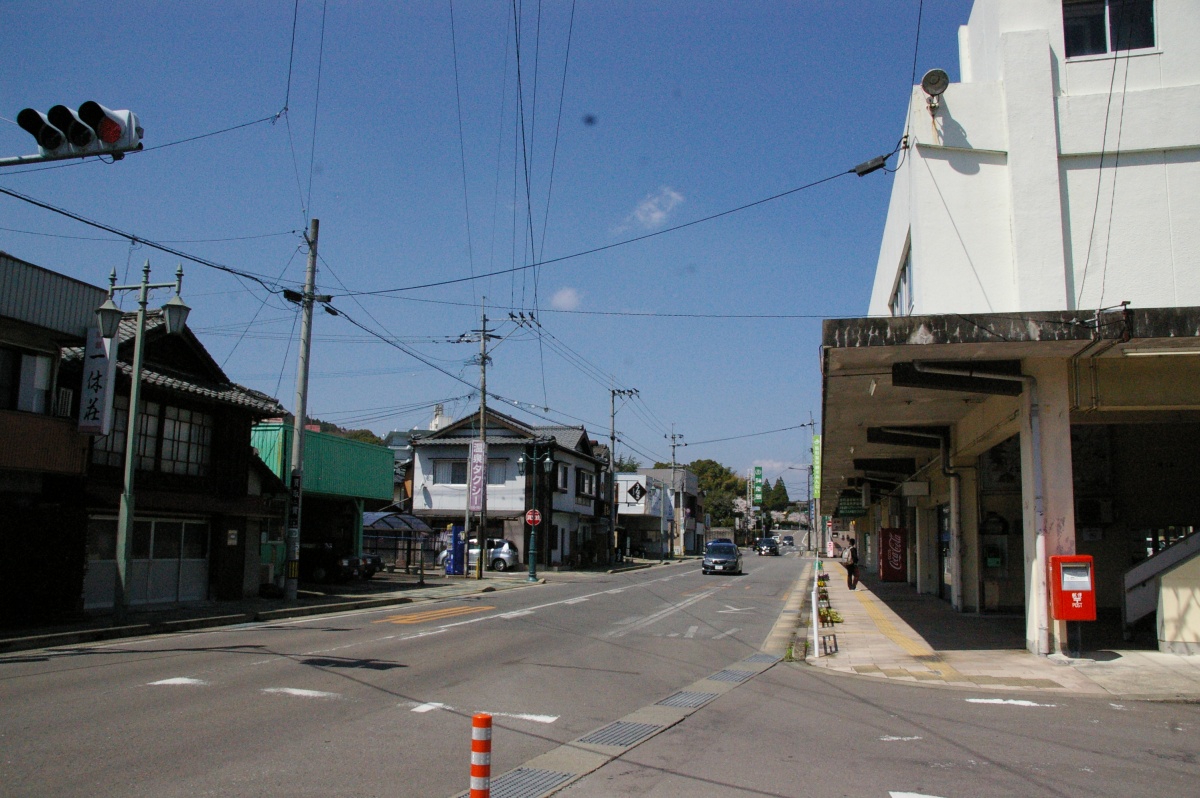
[[373, 703]]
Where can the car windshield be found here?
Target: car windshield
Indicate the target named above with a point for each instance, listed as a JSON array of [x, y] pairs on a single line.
[[721, 549]]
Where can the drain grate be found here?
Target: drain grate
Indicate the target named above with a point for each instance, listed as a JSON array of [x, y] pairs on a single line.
[[687, 699], [527, 783], [621, 733], [731, 676], [762, 658]]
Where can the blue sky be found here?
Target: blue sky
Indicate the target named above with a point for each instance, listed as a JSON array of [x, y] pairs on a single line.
[[405, 136]]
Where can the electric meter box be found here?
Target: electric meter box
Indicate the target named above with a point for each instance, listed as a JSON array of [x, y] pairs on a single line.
[[1072, 587]]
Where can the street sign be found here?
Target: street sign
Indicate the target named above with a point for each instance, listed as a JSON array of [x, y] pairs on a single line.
[[637, 491], [533, 518]]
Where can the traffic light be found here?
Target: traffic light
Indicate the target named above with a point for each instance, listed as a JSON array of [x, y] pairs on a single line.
[[93, 130]]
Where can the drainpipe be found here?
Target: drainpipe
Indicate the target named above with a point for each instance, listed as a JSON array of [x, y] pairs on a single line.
[[1039, 508]]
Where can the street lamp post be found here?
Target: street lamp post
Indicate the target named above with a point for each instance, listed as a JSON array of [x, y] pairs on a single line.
[[547, 465], [109, 317]]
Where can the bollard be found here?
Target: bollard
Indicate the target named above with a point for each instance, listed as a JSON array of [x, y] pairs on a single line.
[[481, 755]]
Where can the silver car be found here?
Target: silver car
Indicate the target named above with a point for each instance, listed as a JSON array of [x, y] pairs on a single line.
[[721, 558], [501, 556]]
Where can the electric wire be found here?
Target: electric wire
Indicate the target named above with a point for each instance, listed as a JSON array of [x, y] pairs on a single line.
[[615, 244], [462, 147], [312, 153], [748, 435], [260, 279]]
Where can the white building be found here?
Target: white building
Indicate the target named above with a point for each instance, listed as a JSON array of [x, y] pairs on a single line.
[[645, 514], [1059, 173], [1000, 406], [571, 531]]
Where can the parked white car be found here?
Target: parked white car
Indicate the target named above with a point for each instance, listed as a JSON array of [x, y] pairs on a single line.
[[501, 556]]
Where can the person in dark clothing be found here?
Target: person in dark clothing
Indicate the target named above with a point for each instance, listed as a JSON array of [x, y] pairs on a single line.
[[850, 560]]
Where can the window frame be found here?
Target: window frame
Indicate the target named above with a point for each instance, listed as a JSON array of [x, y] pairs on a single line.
[[1101, 12]]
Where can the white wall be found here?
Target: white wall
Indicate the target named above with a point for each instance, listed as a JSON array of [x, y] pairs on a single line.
[[1003, 196], [509, 497]]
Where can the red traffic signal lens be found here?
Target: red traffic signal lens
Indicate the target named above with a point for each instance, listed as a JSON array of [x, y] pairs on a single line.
[[98, 118]]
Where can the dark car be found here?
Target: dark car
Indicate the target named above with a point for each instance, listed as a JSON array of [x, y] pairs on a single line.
[[789, 540], [767, 546], [322, 562], [371, 564], [721, 558]]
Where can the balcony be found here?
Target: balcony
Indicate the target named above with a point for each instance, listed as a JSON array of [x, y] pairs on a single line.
[[44, 444]]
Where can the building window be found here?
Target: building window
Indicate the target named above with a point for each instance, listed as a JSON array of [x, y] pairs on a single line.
[[563, 476], [186, 441], [1096, 27], [454, 472], [901, 301], [585, 483], [172, 440], [25, 381], [450, 472]]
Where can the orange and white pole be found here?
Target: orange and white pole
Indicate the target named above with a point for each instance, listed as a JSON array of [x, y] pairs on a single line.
[[481, 755]]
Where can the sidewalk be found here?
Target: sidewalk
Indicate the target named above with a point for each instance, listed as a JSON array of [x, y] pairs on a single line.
[[889, 631], [385, 589]]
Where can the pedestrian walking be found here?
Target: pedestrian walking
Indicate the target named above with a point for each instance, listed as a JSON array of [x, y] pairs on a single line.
[[850, 560]]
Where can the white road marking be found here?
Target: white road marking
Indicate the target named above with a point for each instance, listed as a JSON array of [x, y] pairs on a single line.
[[432, 705], [1118, 706], [300, 693], [579, 600], [1016, 702], [726, 634], [516, 614], [663, 613], [178, 680], [889, 738], [734, 609], [910, 795], [616, 590], [691, 632], [673, 634]]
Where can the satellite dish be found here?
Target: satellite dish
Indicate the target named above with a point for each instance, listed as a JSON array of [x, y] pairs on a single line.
[[935, 82]]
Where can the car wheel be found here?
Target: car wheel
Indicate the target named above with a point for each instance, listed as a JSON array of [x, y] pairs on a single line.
[[319, 574], [499, 565], [367, 574]]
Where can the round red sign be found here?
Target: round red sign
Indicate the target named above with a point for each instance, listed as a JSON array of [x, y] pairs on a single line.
[[533, 517]]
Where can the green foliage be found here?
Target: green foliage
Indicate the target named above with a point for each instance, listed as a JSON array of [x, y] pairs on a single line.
[[364, 435], [627, 464]]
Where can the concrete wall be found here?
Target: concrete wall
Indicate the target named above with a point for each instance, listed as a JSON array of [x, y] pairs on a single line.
[[1044, 183], [1179, 609]]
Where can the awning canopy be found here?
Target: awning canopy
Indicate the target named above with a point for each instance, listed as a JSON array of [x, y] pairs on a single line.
[[894, 387]]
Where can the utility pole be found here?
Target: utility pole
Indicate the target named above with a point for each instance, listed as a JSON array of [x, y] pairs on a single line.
[[483, 360], [612, 469], [677, 523], [306, 300]]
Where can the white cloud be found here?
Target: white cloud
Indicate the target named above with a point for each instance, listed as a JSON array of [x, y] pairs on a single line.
[[652, 212], [566, 299]]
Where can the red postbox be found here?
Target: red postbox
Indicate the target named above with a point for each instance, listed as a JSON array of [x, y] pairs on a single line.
[[1072, 587]]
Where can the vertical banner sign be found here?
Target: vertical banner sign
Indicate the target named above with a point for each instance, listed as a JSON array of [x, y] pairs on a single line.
[[758, 484], [477, 475], [816, 490], [95, 396]]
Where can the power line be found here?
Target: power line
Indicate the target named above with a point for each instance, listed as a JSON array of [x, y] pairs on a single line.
[[622, 243]]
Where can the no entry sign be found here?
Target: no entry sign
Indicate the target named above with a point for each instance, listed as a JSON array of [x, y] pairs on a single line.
[[533, 518]]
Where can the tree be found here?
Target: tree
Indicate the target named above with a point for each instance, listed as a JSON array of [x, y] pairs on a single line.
[[627, 464], [775, 498]]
